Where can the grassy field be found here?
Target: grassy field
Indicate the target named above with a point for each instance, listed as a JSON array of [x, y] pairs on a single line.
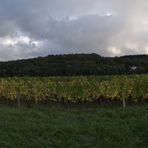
[[55, 127]]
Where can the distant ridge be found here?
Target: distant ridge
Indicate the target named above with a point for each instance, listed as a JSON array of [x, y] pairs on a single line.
[[75, 65]]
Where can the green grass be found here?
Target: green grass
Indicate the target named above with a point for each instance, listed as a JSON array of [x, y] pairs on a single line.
[[55, 127]]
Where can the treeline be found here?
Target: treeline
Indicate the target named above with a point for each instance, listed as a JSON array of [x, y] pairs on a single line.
[[75, 65]]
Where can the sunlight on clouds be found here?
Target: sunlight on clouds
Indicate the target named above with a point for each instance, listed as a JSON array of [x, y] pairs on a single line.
[[146, 50], [114, 51], [131, 45], [23, 39], [108, 14], [8, 42]]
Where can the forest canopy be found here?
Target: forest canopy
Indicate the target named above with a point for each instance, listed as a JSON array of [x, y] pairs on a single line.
[[75, 65]]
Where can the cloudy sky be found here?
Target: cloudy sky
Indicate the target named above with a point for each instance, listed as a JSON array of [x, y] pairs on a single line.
[[30, 28]]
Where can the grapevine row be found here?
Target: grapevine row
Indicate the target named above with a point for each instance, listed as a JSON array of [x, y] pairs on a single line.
[[75, 89]]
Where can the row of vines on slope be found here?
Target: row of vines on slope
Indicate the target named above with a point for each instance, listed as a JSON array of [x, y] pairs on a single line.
[[75, 89]]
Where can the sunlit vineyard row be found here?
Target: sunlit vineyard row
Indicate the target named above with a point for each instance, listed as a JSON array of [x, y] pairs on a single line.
[[75, 89]]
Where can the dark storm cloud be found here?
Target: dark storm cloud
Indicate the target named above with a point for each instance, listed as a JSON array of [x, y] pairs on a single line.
[[31, 28]]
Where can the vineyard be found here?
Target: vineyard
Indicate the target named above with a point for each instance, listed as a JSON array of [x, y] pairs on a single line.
[[74, 89]]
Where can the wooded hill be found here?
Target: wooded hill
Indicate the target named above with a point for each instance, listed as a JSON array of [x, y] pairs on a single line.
[[75, 65]]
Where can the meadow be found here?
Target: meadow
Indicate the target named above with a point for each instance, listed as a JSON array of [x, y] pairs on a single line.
[[55, 127]]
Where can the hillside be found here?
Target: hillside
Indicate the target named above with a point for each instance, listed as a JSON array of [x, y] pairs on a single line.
[[75, 64]]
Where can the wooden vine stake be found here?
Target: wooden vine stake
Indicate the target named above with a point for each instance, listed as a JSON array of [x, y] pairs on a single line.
[[36, 98], [124, 103], [18, 97]]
